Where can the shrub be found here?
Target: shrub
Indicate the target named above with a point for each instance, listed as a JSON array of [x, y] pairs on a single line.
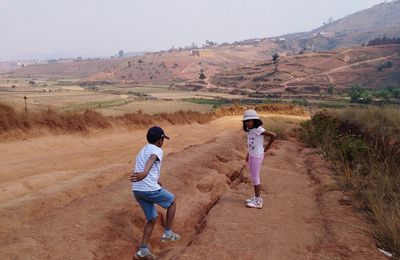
[[359, 95], [300, 102], [385, 65]]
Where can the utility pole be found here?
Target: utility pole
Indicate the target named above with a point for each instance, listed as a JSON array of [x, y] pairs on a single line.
[[26, 106]]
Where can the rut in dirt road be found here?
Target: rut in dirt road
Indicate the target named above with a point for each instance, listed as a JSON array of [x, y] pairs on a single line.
[[301, 218]]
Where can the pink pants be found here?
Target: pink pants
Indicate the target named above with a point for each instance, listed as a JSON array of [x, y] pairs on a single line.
[[254, 165]]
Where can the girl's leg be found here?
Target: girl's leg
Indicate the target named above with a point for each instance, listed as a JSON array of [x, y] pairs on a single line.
[[257, 191], [255, 168]]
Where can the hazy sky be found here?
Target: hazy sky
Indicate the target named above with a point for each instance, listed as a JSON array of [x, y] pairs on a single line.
[[102, 27]]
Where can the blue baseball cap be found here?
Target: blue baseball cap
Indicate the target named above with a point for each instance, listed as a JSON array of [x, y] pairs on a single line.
[[155, 133]]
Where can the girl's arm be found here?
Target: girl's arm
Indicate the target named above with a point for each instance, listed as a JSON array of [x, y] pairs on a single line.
[[138, 176], [272, 136]]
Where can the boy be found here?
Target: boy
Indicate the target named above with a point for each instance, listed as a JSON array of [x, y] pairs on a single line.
[[149, 191]]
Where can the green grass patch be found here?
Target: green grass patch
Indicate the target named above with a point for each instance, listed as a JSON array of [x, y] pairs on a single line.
[[208, 101], [219, 102], [94, 105]]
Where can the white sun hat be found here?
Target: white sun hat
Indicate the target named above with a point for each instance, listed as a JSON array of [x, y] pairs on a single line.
[[250, 114]]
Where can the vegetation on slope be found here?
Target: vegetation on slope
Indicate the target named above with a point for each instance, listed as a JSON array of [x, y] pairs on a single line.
[[365, 144]]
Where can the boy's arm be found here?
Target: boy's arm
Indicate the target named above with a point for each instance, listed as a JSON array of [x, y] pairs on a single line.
[[272, 136], [138, 176]]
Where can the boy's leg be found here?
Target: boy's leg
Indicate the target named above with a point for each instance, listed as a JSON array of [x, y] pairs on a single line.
[[170, 215], [148, 229], [167, 200], [151, 217]]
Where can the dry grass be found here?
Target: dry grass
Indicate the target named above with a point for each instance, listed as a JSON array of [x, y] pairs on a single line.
[[51, 120], [288, 109], [17, 122], [154, 107], [68, 100], [365, 143], [286, 127], [184, 117]]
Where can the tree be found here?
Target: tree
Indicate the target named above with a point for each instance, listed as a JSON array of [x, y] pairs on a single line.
[[26, 105], [275, 59], [210, 43], [385, 65], [330, 20], [331, 90], [121, 53], [355, 94], [359, 95], [384, 94], [202, 76]]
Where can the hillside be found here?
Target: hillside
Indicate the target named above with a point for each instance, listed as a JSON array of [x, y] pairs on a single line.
[[158, 67], [353, 30], [313, 73], [7, 66], [383, 16]]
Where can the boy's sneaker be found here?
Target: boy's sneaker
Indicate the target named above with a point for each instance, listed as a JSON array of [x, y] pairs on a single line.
[[173, 237], [148, 256], [255, 204]]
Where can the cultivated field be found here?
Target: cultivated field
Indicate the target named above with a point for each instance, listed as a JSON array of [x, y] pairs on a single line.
[[67, 95]]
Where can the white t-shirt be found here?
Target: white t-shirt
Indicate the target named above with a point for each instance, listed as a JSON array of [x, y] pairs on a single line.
[[255, 142], [150, 183]]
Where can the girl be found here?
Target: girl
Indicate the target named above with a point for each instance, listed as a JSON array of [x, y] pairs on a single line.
[[256, 150]]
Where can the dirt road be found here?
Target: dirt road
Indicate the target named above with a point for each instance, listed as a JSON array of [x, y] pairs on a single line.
[[303, 215], [69, 197]]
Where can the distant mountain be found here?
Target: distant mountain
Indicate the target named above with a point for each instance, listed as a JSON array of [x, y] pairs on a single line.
[[158, 67], [353, 30], [41, 56], [382, 17], [36, 56], [330, 55], [134, 53]]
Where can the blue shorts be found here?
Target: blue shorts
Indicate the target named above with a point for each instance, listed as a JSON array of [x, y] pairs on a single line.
[[147, 199]]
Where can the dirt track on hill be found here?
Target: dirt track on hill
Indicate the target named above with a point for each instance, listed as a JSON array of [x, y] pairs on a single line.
[[69, 197]]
